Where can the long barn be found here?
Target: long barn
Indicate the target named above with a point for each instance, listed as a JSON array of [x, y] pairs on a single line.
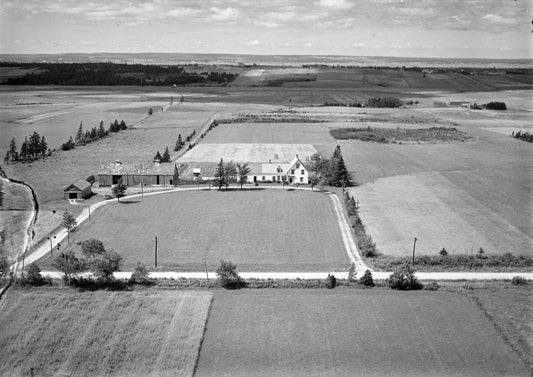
[[132, 174]]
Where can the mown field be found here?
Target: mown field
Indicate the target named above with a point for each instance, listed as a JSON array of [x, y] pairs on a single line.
[[60, 333], [259, 230], [349, 333], [461, 196], [242, 152], [509, 309]]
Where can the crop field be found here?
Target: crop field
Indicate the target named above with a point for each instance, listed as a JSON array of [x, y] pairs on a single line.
[[460, 211], [276, 133], [239, 152], [509, 308], [351, 333], [16, 215], [460, 196], [259, 230], [101, 333]]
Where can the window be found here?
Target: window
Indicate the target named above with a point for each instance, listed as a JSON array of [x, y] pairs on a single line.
[[292, 171], [263, 177], [303, 172], [297, 165], [301, 179]]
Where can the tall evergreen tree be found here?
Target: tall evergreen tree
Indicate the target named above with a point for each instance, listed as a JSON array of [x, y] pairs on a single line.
[[13, 149], [342, 175], [122, 125], [24, 149], [220, 175], [43, 146], [79, 135], [166, 156], [101, 129], [33, 144], [158, 157]]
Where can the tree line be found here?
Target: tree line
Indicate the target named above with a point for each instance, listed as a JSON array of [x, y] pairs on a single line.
[[114, 74], [86, 137], [32, 148], [525, 136]]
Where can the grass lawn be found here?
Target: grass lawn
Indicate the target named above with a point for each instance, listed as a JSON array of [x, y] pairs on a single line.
[[64, 332], [259, 230], [351, 332]]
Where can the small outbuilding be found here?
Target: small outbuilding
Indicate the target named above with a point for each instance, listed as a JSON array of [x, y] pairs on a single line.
[[80, 189]]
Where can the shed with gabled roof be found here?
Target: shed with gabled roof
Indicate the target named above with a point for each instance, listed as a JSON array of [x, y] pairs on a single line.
[[80, 189]]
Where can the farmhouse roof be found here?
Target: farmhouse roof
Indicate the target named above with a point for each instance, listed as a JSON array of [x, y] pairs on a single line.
[[294, 161], [275, 168], [80, 184], [114, 168]]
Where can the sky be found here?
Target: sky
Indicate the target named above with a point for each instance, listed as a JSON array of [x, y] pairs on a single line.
[[409, 28]]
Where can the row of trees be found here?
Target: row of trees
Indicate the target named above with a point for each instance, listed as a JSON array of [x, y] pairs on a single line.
[[383, 102], [525, 136], [96, 133], [32, 148]]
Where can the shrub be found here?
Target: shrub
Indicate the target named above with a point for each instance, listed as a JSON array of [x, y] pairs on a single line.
[[140, 275], [103, 265], [228, 276], [33, 276], [331, 281], [518, 280], [495, 105], [403, 278], [352, 274], [443, 252], [367, 279], [69, 265], [367, 245]]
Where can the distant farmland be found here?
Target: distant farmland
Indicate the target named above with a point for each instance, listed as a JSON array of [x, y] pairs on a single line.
[[259, 230], [351, 333], [101, 333]]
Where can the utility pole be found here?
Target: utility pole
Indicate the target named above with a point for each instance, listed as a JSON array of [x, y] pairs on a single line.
[[414, 246], [155, 253], [206, 274]]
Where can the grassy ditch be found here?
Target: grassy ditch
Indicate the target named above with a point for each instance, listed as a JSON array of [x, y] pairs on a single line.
[[434, 263]]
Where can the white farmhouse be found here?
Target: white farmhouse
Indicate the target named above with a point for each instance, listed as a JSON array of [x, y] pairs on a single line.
[[294, 172]]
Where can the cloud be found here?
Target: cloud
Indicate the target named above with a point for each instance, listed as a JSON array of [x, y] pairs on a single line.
[[254, 42], [224, 14], [308, 44], [336, 4]]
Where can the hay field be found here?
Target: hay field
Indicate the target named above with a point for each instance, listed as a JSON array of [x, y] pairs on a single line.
[[442, 211], [275, 133], [17, 211], [239, 152], [259, 230], [101, 333], [460, 196], [351, 333]]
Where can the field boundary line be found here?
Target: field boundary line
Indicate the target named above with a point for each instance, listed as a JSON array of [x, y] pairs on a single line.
[[197, 361]]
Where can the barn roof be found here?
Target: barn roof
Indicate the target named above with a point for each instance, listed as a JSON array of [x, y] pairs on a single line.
[[125, 168], [80, 185]]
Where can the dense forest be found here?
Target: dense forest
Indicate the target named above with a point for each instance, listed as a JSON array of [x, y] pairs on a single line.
[[113, 74]]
